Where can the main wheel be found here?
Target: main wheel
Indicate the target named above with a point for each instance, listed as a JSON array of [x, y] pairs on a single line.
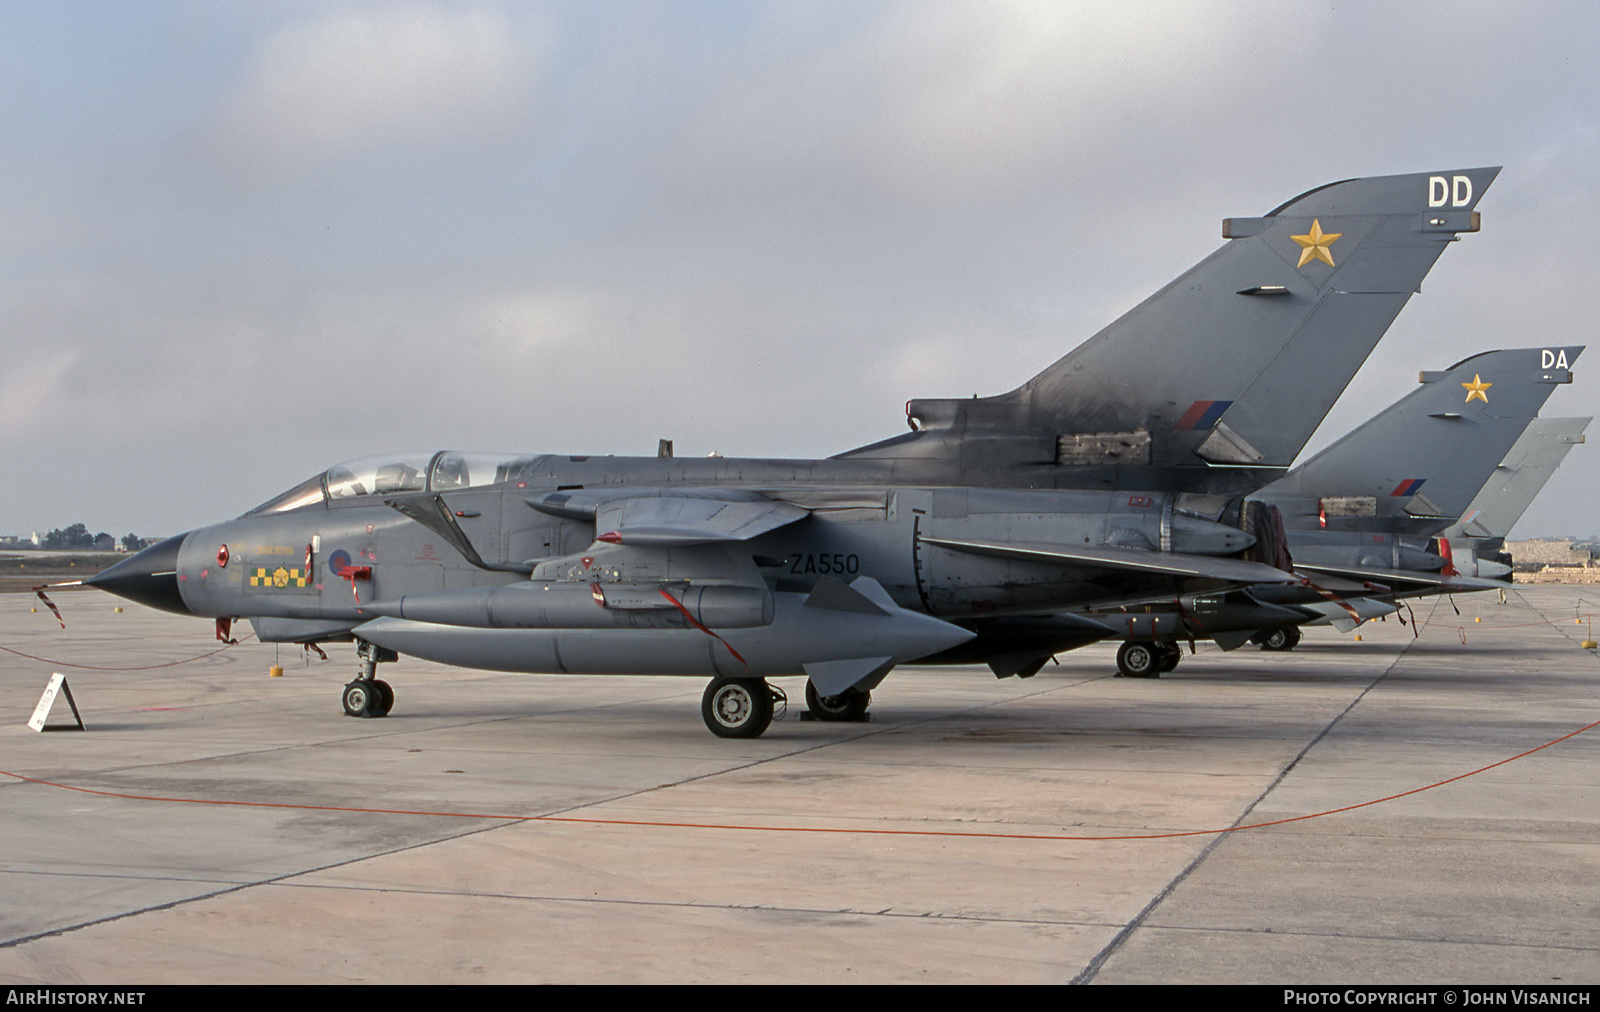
[[848, 705], [1281, 639], [737, 707], [1171, 654], [361, 699], [1139, 660]]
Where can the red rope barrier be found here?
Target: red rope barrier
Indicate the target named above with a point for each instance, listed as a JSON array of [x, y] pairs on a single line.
[[832, 830]]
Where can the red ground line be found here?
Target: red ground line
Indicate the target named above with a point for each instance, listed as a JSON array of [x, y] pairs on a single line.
[[833, 830]]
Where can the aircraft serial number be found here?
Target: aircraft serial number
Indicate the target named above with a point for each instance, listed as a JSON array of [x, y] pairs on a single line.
[[835, 563]]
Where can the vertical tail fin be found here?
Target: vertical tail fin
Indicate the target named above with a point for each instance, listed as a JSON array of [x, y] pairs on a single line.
[[1515, 483], [1235, 363], [1416, 466]]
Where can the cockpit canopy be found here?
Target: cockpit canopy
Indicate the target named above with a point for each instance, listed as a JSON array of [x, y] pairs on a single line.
[[399, 473]]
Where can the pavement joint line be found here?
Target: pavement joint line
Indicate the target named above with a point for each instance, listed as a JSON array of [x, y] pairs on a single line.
[[10, 943], [1098, 961], [120, 876], [925, 915], [1094, 966], [281, 879], [277, 879], [1364, 937]]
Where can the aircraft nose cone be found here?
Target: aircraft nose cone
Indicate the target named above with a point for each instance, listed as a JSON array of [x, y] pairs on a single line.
[[149, 578]]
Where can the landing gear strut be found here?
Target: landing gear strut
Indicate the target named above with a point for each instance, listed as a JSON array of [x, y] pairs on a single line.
[[849, 705], [367, 696], [737, 707]]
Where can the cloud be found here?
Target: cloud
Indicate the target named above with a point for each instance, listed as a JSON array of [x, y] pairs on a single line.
[[929, 103], [30, 391], [317, 231], [519, 322], [357, 79]]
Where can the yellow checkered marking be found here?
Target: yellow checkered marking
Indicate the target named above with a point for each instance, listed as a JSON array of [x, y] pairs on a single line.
[[279, 578]]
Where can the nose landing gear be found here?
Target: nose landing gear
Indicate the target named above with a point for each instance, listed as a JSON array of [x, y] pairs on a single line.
[[368, 696]]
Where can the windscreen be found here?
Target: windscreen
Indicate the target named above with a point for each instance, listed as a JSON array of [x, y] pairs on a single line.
[[306, 493]]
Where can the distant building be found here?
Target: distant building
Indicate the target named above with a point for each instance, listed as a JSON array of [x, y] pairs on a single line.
[[1529, 556]]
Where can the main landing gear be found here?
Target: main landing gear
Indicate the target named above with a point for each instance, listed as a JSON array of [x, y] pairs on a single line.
[[367, 696], [848, 706], [1147, 660], [744, 707], [740, 707], [1286, 638]]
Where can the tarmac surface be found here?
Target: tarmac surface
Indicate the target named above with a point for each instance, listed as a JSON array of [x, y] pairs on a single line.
[[941, 842]]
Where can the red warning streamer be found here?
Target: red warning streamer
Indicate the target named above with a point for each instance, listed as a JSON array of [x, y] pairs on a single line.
[[691, 620], [50, 604]]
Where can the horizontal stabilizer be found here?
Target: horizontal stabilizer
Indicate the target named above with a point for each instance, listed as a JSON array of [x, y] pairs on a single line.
[[1126, 560], [1399, 581]]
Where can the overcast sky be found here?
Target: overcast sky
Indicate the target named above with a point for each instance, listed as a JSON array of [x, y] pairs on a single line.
[[240, 242]]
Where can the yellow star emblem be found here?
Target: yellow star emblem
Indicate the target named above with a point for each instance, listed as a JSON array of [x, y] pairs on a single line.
[[1475, 389], [1314, 244]]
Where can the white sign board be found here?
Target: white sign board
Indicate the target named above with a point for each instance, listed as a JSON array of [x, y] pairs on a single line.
[[57, 687]]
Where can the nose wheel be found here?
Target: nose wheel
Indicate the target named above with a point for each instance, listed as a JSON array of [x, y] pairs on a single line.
[[368, 695], [368, 698]]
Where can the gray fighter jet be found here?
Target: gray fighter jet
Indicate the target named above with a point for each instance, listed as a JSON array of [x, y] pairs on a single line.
[[1362, 518], [1473, 545], [968, 538]]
